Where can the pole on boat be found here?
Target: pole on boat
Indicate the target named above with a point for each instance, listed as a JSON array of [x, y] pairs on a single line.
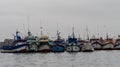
[[73, 34], [41, 31], [58, 33], [41, 28], [87, 32]]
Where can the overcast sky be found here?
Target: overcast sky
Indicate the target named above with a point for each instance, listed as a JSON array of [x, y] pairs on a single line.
[[101, 16]]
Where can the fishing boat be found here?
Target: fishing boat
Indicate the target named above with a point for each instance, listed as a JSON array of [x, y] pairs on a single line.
[[32, 41], [72, 48], [18, 45], [58, 44], [96, 43], [117, 43], [43, 45], [87, 47], [72, 45], [109, 44], [80, 43]]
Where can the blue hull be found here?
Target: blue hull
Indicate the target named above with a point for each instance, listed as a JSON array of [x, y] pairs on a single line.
[[57, 48], [13, 49]]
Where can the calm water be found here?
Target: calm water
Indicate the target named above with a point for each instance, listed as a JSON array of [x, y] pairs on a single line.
[[92, 59]]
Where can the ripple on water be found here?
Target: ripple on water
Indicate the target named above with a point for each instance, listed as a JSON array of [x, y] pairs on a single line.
[[81, 59]]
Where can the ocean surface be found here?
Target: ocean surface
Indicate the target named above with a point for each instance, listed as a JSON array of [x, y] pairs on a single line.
[[80, 59]]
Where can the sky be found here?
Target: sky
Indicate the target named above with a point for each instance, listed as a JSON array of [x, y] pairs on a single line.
[[99, 16]]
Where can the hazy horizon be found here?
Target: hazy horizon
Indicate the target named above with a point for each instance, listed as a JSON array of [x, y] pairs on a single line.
[[101, 16]]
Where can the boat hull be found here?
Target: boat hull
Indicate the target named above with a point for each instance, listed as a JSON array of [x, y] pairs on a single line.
[[97, 46], [57, 48], [33, 48], [44, 48], [14, 49], [108, 47], [87, 48], [117, 47], [72, 48]]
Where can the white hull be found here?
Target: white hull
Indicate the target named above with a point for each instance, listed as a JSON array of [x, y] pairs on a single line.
[[108, 46], [97, 46], [73, 48], [117, 47], [87, 47]]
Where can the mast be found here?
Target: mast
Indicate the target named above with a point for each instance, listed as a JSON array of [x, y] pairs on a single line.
[[24, 28], [41, 31], [98, 31], [58, 33], [29, 33], [79, 37], [28, 22], [41, 28], [73, 34], [107, 36], [87, 32], [93, 36]]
